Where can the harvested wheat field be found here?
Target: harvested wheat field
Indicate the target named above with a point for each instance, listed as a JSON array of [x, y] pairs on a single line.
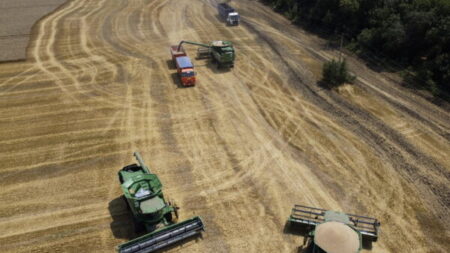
[[239, 149]]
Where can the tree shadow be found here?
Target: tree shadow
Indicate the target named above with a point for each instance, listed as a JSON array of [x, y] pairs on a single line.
[[122, 225], [378, 63], [323, 85]]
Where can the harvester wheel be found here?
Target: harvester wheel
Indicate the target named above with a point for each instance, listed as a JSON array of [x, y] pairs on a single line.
[[139, 227], [175, 210], [126, 202]]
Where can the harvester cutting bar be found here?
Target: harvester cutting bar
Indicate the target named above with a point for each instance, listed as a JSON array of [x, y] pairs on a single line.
[[305, 215], [163, 237], [367, 226]]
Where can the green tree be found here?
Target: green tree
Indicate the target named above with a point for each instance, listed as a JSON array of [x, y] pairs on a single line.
[[414, 33], [335, 73]]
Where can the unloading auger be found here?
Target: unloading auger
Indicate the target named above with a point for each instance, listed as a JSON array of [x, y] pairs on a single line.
[[142, 191]]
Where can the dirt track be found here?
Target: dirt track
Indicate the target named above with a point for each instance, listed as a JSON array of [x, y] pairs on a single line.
[[239, 149]]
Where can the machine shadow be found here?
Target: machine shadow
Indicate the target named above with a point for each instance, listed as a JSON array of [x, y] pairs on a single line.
[[171, 64], [218, 17], [367, 244], [293, 229], [122, 225], [214, 67]]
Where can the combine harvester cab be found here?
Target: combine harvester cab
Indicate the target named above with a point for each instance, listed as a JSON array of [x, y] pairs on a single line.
[[185, 68], [333, 231], [223, 52], [143, 194]]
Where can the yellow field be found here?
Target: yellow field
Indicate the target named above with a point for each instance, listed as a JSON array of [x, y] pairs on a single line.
[[239, 149]]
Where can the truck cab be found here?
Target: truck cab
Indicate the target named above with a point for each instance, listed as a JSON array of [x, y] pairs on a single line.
[[228, 13], [185, 71], [185, 68], [233, 18]]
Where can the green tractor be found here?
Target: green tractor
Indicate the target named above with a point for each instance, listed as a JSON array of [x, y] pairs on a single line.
[[328, 231], [221, 52], [143, 194]]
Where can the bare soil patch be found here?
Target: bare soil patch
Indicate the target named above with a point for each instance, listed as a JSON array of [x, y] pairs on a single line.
[[17, 18]]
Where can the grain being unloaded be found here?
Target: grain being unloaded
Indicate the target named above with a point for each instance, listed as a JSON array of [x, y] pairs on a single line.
[[336, 237]]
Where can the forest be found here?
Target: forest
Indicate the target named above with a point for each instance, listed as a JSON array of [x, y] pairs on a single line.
[[412, 35]]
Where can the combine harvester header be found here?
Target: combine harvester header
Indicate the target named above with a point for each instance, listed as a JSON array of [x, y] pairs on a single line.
[[332, 231], [164, 237], [144, 197]]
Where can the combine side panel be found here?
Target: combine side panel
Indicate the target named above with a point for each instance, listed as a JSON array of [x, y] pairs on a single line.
[[163, 237]]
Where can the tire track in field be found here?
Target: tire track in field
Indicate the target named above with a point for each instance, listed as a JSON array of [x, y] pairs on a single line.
[[239, 149]]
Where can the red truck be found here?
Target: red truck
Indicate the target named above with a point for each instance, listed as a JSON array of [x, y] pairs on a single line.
[[184, 65]]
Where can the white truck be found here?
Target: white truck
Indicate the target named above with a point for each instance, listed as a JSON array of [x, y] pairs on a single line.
[[227, 12]]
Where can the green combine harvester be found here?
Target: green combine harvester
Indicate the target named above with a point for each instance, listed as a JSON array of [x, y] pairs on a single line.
[[221, 52], [332, 232], [143, 193]]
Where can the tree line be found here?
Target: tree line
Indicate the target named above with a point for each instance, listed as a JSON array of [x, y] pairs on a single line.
[[413, 33]]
